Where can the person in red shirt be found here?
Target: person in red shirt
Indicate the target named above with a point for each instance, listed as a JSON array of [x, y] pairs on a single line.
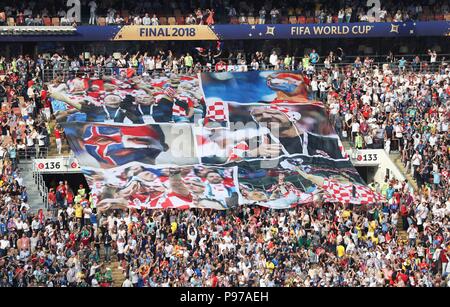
[[51, 197], [61, 194], [69, 197], [58, 140], [404, 215]]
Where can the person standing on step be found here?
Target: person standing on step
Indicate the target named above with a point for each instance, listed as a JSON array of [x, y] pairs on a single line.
[[58, 139]]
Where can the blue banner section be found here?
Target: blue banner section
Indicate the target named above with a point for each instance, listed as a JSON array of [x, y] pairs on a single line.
[[302, 31], [234, 32]]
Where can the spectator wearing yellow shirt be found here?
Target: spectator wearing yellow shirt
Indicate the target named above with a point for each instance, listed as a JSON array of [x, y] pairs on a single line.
[[346, 214], [78, 198], [79, 213], [270, 265], [340, 250], [173, 227], [81, 190]]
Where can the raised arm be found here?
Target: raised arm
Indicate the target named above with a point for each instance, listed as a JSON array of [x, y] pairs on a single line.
[[176, 183], [62, 97], [317, 180]]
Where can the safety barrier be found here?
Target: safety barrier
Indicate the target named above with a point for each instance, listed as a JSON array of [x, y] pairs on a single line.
[[42, 188]]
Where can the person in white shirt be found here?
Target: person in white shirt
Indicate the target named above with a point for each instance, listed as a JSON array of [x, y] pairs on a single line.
[[127, 283], [433, 139], [190, 20], [355, 130], [146, 21], [416, 161], [137, 20], [273, 59], [4, 246], [314, 87], [398, 17], [412, 235], [366, 99], [155, 20], [93, 9]]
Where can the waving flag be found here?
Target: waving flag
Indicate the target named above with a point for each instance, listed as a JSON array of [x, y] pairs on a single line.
[[120, 145], [349, 193]]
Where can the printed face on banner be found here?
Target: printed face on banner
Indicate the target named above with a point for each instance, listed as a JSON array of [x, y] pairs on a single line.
[[108, 146], [129, 100], [257, 87], [137, 185], [298, 180], [267, 132]]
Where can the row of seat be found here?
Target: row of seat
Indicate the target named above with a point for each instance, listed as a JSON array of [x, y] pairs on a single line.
[[180, 20]]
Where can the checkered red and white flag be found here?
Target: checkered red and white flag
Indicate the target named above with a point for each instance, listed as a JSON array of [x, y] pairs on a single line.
[[216, 112], [335, 191]]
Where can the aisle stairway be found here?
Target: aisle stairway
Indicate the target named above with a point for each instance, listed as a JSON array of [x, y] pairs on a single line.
[[396, 158], [402, 234], [117, 274], [35, 200]]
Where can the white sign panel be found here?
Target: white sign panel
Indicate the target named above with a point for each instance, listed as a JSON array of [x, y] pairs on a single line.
[[366, 157], [57, 165]]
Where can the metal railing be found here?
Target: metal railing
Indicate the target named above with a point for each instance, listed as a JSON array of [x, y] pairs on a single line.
[[42, 188], [66, 74], [29, 153], [69, 73]]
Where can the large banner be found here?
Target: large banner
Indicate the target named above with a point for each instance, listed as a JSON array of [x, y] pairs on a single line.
[[128, 100], [232, 32], [213, 141], [141, 186], [108, 146]]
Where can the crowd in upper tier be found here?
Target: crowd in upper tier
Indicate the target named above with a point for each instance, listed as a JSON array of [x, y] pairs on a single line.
[[219, 12]]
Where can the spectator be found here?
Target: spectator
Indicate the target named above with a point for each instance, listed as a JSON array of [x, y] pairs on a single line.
[[146, 20], [190, 20], [154, 20], [93, 12], [262, 15], [274, 15]]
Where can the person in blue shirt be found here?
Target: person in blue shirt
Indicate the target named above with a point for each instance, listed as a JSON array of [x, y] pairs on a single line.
[[93, 217], [436, 179], [3, 228], [314, 57], [390, 192], [402, 64], [13, 155]]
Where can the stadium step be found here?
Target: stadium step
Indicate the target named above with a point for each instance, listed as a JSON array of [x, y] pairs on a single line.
[[117, 274], [35, 200], [402, 234], [396, 158]]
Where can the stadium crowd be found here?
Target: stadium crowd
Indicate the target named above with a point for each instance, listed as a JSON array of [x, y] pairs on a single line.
[[222, 11], [404, 242]]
